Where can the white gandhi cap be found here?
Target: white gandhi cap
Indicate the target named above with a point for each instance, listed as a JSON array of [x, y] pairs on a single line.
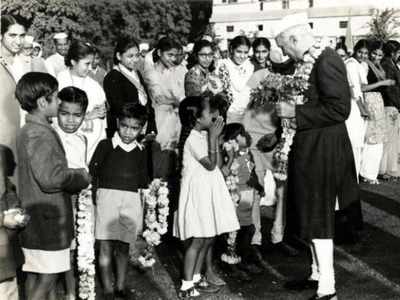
[[144, 47], [60, 36], [290, 21]]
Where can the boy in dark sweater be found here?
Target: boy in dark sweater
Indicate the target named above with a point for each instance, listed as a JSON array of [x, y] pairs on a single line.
[[120, 169]]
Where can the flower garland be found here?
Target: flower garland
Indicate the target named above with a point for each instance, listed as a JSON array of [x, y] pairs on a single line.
[[85, 240], [156, 212], [232, 179], [285, 88], [223, 74]]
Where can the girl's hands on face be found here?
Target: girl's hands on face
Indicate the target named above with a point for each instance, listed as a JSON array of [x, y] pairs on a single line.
[[217, 127]]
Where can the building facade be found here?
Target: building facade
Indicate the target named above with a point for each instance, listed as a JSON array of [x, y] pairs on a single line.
[[328, 18]]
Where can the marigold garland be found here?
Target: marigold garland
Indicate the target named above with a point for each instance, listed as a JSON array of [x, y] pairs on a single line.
[[232, 179], [85, 240], [156, 211]]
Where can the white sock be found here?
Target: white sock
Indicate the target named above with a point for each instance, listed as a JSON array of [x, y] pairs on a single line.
[[196, 278], [186, 285], [314, 265], [324, 253]]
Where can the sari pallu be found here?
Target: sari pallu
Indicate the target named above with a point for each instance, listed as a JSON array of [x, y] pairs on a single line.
[[376, 123]]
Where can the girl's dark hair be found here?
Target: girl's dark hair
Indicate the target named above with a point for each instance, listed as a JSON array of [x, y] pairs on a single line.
[[363, 43], [376, 45], [165, 44], [32, 86], [72, 94], [134, 111], [7, 21], [261, 41], [232, 130], [391, 47], [239, 41], [77, 51], [190, 109], [193, 58], [123, 45], [217, 103]]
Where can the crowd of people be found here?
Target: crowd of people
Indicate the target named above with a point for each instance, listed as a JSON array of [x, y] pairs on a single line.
[[183, 114]]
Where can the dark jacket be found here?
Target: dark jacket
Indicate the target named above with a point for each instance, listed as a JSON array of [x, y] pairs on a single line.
[[44, 185], [391, 96], [321, 166], [119, 91], [11, 256]]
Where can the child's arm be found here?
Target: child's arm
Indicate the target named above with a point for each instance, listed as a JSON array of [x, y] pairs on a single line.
[[49, 167], [210, 162], [253, 180]]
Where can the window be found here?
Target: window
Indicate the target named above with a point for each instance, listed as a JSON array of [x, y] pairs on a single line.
[[261, 6], [311, 24], [285, 4], [343, 24], [223, 1], [310, 3], [229, 28], [260, 27], [232, 1]]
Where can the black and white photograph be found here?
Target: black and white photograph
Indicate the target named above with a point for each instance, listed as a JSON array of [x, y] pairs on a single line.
[[200, 149]]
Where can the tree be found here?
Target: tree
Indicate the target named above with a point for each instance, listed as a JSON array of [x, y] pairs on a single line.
[[384, 24], [103, 21], [44, 17]]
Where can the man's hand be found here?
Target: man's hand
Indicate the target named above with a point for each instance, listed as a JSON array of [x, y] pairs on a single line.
[[285, 110]]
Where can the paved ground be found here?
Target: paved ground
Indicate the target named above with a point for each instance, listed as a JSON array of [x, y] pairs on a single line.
[[366, 273]]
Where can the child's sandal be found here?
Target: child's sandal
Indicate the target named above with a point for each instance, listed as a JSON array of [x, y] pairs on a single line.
[[189, 293]]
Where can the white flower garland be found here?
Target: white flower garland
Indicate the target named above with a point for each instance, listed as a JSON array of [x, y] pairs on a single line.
[[232, 179], [156, 212], [85, 240]]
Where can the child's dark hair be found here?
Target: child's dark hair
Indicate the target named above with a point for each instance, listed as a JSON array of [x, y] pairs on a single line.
[[232, 130], [261, 41], [238, 41], [77, 51], [217, 103], [72, 94], [391, 47], [165, 44], [32, 86], [134, 111], [123, 45], [193, 57], [190, 109]]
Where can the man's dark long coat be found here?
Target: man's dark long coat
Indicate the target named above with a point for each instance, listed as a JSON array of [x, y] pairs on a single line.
[[321, 166]]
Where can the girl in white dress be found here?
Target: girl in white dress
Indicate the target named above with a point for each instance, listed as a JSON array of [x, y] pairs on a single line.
[[239, 69], [205, 206], [79, 58]]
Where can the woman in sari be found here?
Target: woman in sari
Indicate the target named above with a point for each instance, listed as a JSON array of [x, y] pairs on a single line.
[[391, 98], [376, 124], [165, 84]]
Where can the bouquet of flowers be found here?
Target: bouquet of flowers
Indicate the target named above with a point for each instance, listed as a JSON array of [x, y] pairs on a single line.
[[285, 88], [221, 71], [156, 212], [232, 179], [85, 240]]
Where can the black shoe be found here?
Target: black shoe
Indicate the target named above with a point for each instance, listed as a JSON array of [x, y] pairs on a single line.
[[190, 293], [286, 249], [301, 285], [204, 286], [326, 297]]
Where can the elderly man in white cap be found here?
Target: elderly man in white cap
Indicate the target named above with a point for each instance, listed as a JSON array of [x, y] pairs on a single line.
[[56, 63], [322, 175]]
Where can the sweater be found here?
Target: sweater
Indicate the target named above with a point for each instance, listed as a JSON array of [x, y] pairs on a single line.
[[115, 168]]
